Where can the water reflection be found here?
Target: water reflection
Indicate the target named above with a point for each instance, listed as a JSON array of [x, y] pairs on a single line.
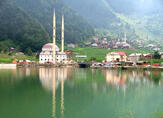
[[54, 93], [73, 92], [123, 78], [55, 76]]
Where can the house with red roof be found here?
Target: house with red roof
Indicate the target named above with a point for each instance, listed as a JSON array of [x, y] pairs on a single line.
[[116, 57]]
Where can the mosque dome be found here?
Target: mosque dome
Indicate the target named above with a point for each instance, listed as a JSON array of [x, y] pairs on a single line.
[[49, 47]]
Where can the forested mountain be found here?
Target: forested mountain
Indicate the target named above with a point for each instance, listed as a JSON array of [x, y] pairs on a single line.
[[18, 29], [28, 24], [140, 19], [76, 28]]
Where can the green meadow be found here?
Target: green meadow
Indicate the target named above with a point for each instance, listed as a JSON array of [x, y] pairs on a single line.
[[95, 53], [4, 58], [99, 53]]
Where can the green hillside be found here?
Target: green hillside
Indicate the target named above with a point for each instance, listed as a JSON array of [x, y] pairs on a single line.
[[76, 28], [19, 30], [146, 20], [27, 24], [141, 19], [99, 54]]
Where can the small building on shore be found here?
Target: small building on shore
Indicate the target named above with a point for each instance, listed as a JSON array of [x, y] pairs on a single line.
[[116, 57], [135, 57]]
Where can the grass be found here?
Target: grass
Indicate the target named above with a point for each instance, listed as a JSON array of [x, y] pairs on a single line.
[[99, 53], [4, 58], [91, 52], [154, 61]]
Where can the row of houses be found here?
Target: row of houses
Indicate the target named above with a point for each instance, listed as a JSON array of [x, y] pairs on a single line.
[[120, 43], [123, 57]]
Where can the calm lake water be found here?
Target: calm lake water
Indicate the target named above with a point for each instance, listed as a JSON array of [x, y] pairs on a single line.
[[80, 93]]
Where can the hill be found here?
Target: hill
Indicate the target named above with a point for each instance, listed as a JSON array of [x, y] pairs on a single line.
[[77, 29], [27, 24], [141, 19], [19, 30]]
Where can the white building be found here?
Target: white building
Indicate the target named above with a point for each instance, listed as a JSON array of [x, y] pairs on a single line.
[[51, 54], [135, 57], [46, 56], [116, 57]]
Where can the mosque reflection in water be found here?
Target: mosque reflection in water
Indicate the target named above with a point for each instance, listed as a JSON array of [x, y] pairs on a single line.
[[50, 79]]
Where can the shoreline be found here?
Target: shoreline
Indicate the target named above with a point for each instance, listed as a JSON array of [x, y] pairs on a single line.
[[131, 68], [14, 66]]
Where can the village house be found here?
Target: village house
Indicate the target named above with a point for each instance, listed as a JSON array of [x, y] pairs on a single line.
[[88, 44], [161, 53], [147, 56], [135, 57], [150, 46], [94, 45], [71, 45], [69, 53], [96, 39], [156, 49], [116, 57]]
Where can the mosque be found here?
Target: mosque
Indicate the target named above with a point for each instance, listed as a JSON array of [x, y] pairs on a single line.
[[50, 54]]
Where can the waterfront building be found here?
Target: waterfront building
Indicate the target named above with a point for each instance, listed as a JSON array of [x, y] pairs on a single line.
[[135, 57], [116, 57], [46, 56], [50, 52]]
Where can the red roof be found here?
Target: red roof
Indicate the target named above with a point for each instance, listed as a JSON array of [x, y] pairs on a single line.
[[121, 53]]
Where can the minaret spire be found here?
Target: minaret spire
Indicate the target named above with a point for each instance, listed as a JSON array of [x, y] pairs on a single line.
[[62, 34], [125, 38], [54, 37]]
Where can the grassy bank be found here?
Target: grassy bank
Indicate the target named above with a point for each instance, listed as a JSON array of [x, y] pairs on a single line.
[[98, 53], [4, 58], [153, 61]]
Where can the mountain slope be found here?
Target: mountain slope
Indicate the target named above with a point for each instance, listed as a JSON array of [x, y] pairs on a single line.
[[141, 19], [144, 16], [77, 29], [19, 30], [98, 14]]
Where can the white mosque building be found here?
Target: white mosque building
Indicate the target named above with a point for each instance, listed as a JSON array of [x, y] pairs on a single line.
[[50, 54], [47, 54]]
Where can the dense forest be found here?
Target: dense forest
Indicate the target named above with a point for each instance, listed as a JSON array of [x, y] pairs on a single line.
[[76, 28], [19, 30], [27, 24]]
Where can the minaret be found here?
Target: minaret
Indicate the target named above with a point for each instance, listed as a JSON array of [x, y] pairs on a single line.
[[62, 50], [125, 38], [54, 38]]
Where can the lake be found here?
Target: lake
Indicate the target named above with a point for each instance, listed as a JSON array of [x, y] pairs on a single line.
[[80, 93]]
